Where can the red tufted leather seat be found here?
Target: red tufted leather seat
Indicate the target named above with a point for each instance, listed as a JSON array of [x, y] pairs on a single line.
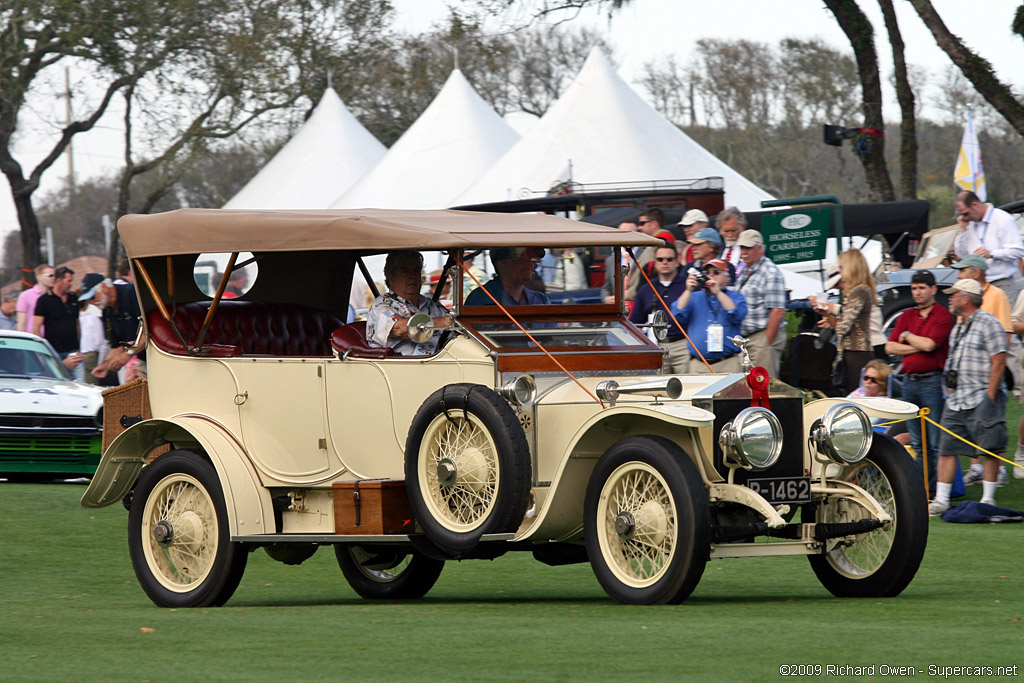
[[248, 328], [352, 339]]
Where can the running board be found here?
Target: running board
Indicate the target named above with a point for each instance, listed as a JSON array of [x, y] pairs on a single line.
[[338, 538]]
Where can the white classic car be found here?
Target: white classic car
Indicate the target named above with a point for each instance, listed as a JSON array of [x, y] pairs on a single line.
[[50, 425], [545, 428]]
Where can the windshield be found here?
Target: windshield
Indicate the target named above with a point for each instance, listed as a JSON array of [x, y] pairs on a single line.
[[29, 358], [571, 333], [535, 276]]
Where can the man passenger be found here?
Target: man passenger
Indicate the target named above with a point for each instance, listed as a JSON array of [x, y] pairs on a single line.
[[387, 322], [514, 267]]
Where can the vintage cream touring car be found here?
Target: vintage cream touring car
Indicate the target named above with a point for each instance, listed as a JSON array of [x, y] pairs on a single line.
[[544, 427]]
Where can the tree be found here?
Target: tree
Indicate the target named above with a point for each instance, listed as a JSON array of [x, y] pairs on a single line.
[[977, 70], [861, 34], [905, 96], [192, 71]]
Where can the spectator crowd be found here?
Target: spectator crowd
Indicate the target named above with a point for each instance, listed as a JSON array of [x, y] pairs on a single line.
[[90, 328]]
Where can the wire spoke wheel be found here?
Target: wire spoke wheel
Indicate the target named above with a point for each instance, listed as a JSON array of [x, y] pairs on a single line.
[[647, 522], [638, 528], [459, 471], [865, 555], [467, 468], [882, 562], [179, 532]]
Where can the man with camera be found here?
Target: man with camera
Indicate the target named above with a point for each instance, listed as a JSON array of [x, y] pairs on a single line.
[[976, 401], [669, 283], [711, 314], [921, 338]]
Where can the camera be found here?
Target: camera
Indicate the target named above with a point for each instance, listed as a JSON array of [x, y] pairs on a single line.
[[951, 379], [701, 277]]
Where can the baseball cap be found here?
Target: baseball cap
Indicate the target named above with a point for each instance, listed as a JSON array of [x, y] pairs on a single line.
[[971, 261], [749, 238], [693, 216], [706, 235], [969, 286], [89, 284], [717, 263]]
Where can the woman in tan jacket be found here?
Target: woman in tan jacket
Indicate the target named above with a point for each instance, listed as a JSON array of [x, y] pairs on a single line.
[[853, 327]]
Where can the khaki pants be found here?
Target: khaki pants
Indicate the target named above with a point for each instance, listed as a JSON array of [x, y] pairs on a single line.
[[764, 354], [676, 358], [721, 367]]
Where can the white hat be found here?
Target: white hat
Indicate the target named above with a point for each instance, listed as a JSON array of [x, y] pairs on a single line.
[[750, 238], [694, 216], [832, 273], [969, 286]]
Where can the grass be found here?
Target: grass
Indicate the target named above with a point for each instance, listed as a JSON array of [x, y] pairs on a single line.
[[72, 608]]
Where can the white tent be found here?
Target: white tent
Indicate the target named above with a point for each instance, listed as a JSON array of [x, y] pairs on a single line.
[[606, 133], [329, 153], [455, 140]]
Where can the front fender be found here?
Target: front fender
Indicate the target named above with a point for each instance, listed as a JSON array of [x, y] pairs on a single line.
[[563, 506], [883, 408], [249, 507]]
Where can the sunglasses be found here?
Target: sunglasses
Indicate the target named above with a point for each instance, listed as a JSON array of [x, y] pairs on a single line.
[[662, 259], [48, 275], [643, 222], [871, 378]]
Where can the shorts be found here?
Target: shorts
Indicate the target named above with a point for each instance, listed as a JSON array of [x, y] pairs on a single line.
[[983, 425]]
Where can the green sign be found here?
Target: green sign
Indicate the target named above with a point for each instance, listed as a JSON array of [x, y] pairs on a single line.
[[797, 235]]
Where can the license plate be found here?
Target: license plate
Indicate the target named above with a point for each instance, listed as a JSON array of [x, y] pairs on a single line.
[[783, 489]]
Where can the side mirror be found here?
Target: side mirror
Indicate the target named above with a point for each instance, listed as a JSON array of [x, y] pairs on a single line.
[[421, 328]]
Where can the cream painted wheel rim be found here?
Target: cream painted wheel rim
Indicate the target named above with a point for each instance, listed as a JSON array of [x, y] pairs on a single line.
[[186, 559], [637, 492], [458, 471], [867, 554]]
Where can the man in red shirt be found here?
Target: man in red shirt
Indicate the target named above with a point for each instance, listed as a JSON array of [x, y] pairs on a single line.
[[921, 337]]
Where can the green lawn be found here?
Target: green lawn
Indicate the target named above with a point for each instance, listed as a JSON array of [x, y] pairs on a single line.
[[72, 609]]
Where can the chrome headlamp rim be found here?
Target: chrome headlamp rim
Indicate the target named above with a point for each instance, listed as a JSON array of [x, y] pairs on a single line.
[[733, 434], [521, 391], [823, 434]]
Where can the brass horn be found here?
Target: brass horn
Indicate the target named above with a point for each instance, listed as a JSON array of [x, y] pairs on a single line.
[[669, 387]]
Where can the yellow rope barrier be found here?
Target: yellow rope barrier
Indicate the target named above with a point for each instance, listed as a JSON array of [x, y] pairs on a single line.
[[922, 414]]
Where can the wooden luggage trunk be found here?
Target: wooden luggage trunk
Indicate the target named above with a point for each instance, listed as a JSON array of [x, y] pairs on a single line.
[[372, 507]]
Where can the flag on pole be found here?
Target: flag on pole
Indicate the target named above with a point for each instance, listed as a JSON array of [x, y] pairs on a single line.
[[969, 174]]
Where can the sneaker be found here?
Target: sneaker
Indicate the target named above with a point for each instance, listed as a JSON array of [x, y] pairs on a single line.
[[988, 501], [1003, 479], [1018, 472], [972, 477], [936, 508]]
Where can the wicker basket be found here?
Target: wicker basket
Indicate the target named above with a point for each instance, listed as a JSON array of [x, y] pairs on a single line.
[[123, 406]]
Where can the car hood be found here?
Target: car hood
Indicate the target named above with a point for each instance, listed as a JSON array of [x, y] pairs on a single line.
[[49, 396]]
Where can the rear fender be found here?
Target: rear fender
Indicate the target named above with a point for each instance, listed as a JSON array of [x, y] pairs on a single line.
[[249, 507]]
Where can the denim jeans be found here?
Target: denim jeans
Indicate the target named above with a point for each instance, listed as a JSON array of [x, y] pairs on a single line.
[[926, 393]]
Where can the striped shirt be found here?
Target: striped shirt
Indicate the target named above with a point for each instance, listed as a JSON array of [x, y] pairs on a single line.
[[971, 346], [764, 288]]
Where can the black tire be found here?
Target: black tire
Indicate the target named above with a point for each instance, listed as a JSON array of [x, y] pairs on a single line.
[[478, 485], [196, 565], [387, 573], [880, 563], [671, 508]]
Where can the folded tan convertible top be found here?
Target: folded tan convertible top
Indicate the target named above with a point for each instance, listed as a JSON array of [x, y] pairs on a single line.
[[192, 231]]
